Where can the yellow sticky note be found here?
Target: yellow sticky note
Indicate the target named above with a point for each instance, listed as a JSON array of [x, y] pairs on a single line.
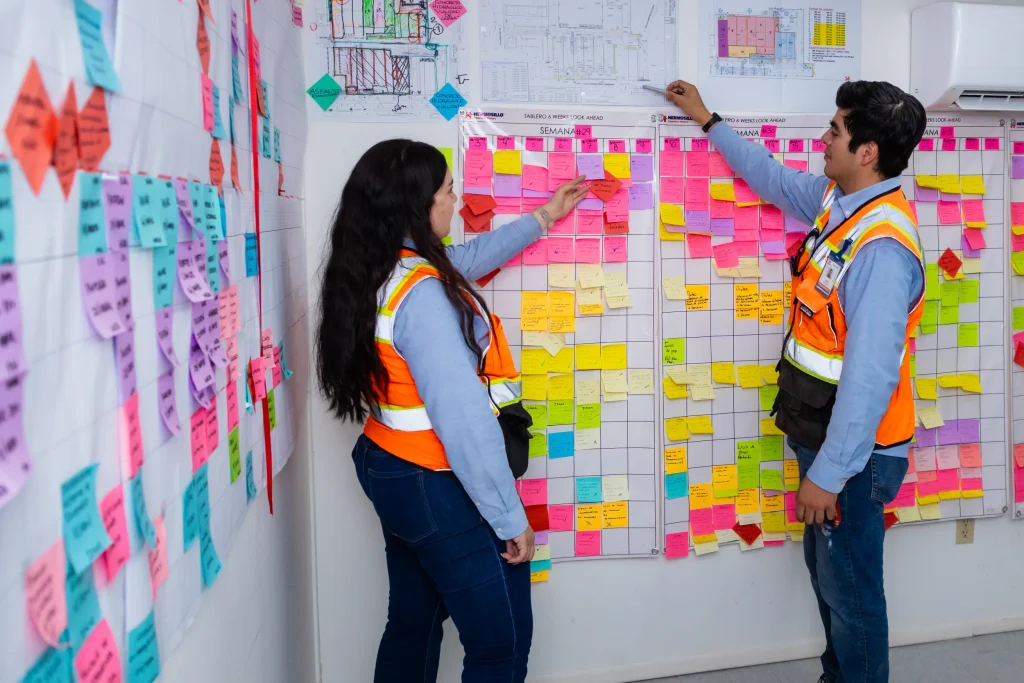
[[588, 357], [971, 382], [641, 381], [679, 375], [926, 388], [614, 381], [590, 275], [724, 480], [588, 517], [588, 391], [672, 390], [700, 424], [447, 152], [930, 511], [560, 387], [773, 522], [723, 192], [676, 429], [616, 514], [747, 502], [930, 417], [587, 439], [698, 297], [553, 343], [562, 362], [675, 460], [773, 503], [614, 487], [949, 183], [535, 361], [770, 308], [508, 161], [542, 552], [949, 381], [705, 548], [560, 324], [613, 357], [908, 514], [723, 373], [702, 392], [617, 165], [770, 374], [535, 387], [749, 375], [928, 181], [972, 184], [533, 324], [619, 301], [666, 236], [561, 303], [534, 305], [541, 576], [561, 275], [768, 427], [671, 214], [701, 496], [749, 267], [745, 301], [675, 288], [615, 284]]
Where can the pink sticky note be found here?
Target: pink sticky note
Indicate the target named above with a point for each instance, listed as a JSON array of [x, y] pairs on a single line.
[[562, 165], [130, 435], [534, 144], [974, 210], [699, 144], [589, 222], [972, 144], [644, 146], [112, 513], [975, 238], [671, 163], [725, 255], [817, 146], [992, 144], [560, 249], [672, 145], [589, 145], [723, 516], [946, 132], [536, 254], [722, 209], [672, 190], [771, 217], [698, 245], [701, 522], [747, 220], [617, 208], [478, 143], [478, 163], [617, 146], [582, 132], [768, 130], [949, 213], [924, 459], [158, 555], [98, 660], [698, 193], [971, 484], [795, 146], [563, 144], [743, 193], [1016, 213], [746, 247], [44, 593], [516, 260], [614, 249], [588, 543], [1016, 242], [588, 250], [197, 435], [947, 457], [506, 142], [949, 144], [796, 164], [207, 85], [231, 393], [564, 225], [698, 165], [677, 545], [534, 492], [949, 480], [773, 146], [561, 517], [926, 145], [718, 166]]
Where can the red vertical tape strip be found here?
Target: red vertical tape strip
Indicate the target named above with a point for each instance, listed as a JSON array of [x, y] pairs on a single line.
[[254, 120]]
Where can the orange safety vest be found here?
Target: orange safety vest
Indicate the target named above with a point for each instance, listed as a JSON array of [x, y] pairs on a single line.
[[401, 425], [817, 338]]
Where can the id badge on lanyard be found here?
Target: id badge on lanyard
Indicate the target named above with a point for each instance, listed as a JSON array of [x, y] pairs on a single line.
[[829, 273]]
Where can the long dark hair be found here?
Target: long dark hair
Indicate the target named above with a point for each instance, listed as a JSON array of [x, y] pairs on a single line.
[[387, 199]]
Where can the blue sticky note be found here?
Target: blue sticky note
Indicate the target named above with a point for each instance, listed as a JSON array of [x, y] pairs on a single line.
[[236, 80], [146, 194], [252, 260], [165, 270], [85, 537], [6, 215], [265, 143], [98, 67], [561, 445], [250, 482], [266, 98], [208, 556], [197, 195], [588, 489], [284, 364], [190, 516], [83, 606], [277, 145], [677, 485], [218, 125], [143, 652], [53, 666], [212, 219], [92, 227], [540, 565], [447, 101], [143, 524], [212, 266]]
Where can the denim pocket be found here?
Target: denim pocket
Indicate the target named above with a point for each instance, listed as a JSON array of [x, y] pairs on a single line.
[[887, 474], [400, 499]]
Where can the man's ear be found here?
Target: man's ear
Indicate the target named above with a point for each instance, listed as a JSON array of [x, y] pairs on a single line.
[[867, 154]]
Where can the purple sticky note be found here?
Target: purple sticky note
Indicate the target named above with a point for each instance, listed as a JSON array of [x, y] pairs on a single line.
[[117, 209], [641, 195], [15, 463], [590, 165], [165, 334], [185, 226], [591, 204], [723, 227], [204, 397], [773, 248], [796, 225], [948, 433], [124, 356], [698, 221], [96, 273], [165, 399], [925, 194], [200, 369], [969, 431], [508, 185], [1017, 167], [225, 264], [204, 318], [12, 355], [537, 194], [541, 538], [641, 167], [192, 271], [476, 190], [925, 437], [123, 287]]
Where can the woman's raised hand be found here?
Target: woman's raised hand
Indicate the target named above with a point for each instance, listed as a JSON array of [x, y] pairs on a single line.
[[566, 197]]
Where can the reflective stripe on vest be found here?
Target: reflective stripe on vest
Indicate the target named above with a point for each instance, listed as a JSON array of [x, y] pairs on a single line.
[[814, 362]]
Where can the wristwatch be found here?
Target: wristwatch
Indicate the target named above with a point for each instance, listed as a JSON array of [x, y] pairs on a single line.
[[715, 118], [543, 213]]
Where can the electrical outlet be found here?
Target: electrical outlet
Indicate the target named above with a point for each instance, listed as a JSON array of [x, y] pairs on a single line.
[[964, 531]]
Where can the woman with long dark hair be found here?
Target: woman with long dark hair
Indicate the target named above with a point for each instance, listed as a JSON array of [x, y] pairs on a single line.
[[406, 344]]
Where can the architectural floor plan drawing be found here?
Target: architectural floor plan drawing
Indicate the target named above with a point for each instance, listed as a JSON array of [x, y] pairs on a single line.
[[766, 44], [576, 51], [389, 57]]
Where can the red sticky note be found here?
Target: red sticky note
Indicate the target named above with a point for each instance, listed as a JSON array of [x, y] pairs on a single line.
[[588, 543], [768, 130], [606, 188], [614, 249], [32, 128], [112, 513], [970, 455], [130, 435], [718, 166], [677, 545], [890, 519], [561, 517], [44, 593], [207, 89], [671, 163], [537, 516], [748, 532], [65, 154], [1018, 454], [699, 246], [98, 660], [481, 223], [216, 164], [949, 262], [485, 280], [158, 555], [725, 255], [949, 213], [926, 145], [203, 44], [479, 203], [534, 144]]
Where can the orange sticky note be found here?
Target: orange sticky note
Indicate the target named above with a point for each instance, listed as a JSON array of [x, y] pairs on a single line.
[[234, 169], [203, 44], [113, 516], [970, 455], [65, 156], [32, 128], [93, 131], [216, 164], [158, 555], [98, 660], [44, 593]]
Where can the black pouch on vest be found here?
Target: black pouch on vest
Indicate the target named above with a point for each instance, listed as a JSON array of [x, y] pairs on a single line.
[[515, 427], [803, 407]]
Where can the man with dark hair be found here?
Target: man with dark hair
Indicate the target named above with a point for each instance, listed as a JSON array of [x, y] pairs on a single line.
[[845, 400]]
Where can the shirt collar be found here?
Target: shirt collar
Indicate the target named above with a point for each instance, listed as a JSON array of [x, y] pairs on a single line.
[[408, 243], [849, 203]]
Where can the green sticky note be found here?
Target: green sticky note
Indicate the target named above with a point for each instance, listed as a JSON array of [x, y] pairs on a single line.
[[913, 365], [931, 282], [588, 415], [272, 409], [234, 455], [949, 293], [674, 351], [446, 240], [539, 413], [1018, 318], [560, 412], [726, 493], [771, 479], [929, 317], [1017, 261], [949, 315], [748, 462], [767, 395], [793, 485], [969, 291], [447, 152], [771, 448], [967, 334], [324, 91], [538, 444]]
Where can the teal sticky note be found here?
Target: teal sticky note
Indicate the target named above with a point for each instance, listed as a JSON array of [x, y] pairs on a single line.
[[146, 210], [447, 101], [324, 91], [252, 259], [212, 266], [98, 68], [83, 606], [277, 145], [588, 489], [561, 445], [265, 149], [197, 195], [143, 524], [250, 482], [189, 516], [143, 652], [201, 482], [231, 119], [165, 270], [6, 215], [92, 227], [540, 565], [218, 124], [677, 485], [266, 98], [168, 208], [210, 562], [248, 398], [236, 80], [223, 217], [284, 364], [212, 220], [85, 537], [53, 666]]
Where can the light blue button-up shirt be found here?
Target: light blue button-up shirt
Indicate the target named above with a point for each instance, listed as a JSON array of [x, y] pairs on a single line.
[[428, 336], [877, 294]]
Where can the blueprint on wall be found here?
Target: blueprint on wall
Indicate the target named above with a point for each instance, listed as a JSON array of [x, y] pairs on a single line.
[[577, 51]]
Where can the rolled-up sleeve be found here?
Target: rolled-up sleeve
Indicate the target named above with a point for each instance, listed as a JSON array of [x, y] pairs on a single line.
[[490, 250]]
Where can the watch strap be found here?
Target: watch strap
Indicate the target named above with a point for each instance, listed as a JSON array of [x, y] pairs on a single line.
[[715, 118]]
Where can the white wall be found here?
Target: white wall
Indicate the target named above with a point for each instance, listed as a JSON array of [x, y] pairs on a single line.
[[619, 620]]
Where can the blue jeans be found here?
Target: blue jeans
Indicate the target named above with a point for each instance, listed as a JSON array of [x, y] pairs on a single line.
[[443, 559], [845, 563]]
